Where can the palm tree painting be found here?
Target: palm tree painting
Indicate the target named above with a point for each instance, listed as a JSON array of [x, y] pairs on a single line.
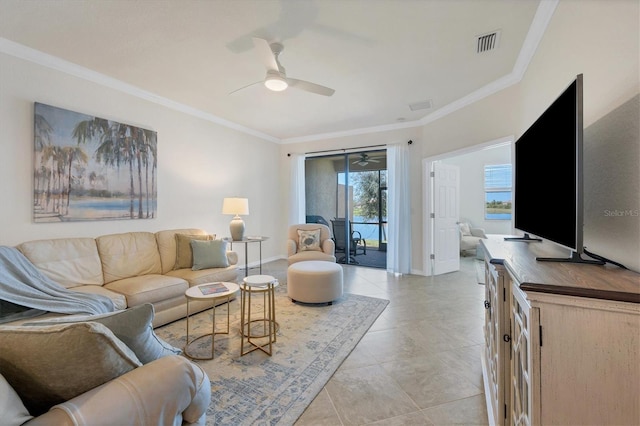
[[91, 168]]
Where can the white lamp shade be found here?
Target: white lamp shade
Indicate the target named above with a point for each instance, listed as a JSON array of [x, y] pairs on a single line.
[[235, 206]]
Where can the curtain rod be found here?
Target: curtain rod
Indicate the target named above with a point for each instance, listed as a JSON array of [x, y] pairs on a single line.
[[346, 150]]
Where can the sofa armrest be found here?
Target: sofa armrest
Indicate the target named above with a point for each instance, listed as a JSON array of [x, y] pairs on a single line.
[[292, 247], [232, 256], [170, 390]]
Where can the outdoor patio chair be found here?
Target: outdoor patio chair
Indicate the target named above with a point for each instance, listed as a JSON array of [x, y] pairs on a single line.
[[357, 244]]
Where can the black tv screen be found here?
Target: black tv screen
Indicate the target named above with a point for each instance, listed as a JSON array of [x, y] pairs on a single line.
[[548, 172]]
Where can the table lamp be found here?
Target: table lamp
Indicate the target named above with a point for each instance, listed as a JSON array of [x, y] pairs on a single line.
[[237, 207]]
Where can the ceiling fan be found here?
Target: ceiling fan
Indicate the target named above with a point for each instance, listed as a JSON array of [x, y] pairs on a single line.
[[364, 160], [276, 78]]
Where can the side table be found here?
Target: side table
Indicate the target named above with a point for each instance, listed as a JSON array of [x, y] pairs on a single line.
[[205, 292], [264, 284], [246, 241]]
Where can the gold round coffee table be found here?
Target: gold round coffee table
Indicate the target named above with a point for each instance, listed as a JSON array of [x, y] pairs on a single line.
[[213, 292]]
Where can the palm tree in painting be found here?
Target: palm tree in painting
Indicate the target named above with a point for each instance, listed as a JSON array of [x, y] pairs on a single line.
[[153, 149], [145, 144], [49, 153], [42, 131], [72, 154]]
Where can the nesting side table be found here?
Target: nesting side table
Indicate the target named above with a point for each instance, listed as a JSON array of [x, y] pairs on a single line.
[[202, 292], [264, 284]]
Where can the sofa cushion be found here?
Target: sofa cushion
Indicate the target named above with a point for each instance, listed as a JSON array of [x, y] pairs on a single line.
[[68, 261], [132, 326], [303, 256], [184, 252], [167, 245], [209, 254], [51, 364], [119, 301], [128, 255], [229, 274], [150, 288], [13, 410]]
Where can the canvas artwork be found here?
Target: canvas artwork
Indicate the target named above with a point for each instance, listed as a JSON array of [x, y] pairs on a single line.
[[91, 168]]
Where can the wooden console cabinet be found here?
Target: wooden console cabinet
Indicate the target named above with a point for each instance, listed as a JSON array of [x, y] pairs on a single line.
[[562, 340]]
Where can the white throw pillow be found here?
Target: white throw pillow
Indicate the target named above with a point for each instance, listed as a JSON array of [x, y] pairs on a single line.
[[133, 326], [465, 229], [309, 240]]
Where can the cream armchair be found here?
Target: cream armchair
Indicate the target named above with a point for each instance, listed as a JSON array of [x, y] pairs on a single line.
[[310, 241], [470, 237]]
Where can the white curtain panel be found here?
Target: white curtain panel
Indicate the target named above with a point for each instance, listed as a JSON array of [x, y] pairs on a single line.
[[296, 190], [398, 210]]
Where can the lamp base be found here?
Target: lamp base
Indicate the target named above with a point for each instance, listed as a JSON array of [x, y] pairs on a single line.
[[237, 229]]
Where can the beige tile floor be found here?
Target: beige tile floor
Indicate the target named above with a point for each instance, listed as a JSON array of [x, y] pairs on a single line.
[[419, 364]]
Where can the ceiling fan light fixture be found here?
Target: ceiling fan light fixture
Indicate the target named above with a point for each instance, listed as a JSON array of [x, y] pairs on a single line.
[[275, 81]]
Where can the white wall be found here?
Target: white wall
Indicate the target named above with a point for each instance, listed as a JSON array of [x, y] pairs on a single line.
[[472, 201], [199, 164]]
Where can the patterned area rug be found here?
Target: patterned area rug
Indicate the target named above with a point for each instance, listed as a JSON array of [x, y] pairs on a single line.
[[312, 342]]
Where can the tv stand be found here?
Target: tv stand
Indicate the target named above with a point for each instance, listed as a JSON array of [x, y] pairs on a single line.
[[562, 341], [575, 258], [526, 238]]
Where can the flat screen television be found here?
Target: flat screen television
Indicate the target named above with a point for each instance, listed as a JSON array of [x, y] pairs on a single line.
[[548, 185]]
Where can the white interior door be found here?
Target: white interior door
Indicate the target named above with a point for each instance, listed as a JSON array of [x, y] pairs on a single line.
[[446, 235]]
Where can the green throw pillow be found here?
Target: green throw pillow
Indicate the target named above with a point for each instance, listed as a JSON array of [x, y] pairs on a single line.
[[133, 326], [209, 254], [52, 364]]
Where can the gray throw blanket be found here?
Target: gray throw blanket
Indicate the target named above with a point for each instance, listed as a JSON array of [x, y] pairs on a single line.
[[23, 284]]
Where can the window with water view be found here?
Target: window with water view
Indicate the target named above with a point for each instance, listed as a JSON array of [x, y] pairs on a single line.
[[498, 195]]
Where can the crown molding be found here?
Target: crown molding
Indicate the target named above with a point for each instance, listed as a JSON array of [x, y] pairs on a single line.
[[354, 132], [539, 24], [538, 27], [32, 55]]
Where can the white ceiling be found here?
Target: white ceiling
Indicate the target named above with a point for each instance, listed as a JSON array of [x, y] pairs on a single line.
[[378, 55]]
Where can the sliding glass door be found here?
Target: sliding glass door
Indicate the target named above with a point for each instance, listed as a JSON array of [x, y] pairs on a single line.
[[348, 193]]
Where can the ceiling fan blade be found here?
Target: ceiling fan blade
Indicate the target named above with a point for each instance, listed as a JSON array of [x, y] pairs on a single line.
[[248, 85], [310, 87], [266, 55]]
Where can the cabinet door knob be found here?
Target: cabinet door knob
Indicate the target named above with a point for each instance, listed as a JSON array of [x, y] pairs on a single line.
[[487, 304], [506, 338]]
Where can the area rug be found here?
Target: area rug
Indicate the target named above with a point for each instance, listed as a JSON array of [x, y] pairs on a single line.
[[312, 342]]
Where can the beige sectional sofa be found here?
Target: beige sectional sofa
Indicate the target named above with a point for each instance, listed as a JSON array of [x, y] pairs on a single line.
[[131, 268], [83, 365]]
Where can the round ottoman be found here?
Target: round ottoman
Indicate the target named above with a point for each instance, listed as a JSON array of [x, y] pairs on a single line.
[[314, 281]]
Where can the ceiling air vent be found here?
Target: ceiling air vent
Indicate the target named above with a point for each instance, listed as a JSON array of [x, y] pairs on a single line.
[[487, 42], [421, 105]]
